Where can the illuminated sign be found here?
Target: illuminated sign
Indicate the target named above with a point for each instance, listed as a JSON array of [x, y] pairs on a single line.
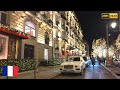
[[109, 15]]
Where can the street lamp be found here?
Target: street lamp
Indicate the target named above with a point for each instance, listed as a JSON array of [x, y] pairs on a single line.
[[113, 25]]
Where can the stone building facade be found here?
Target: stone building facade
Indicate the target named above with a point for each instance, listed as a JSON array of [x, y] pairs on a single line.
[[41, 35]]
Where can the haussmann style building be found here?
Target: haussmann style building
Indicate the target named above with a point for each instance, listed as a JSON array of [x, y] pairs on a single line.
[[42, 35]]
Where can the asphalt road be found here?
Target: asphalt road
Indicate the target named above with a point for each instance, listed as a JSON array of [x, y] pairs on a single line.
[[96, 72]]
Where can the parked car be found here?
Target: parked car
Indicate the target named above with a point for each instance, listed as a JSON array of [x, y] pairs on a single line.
[[74, 64]]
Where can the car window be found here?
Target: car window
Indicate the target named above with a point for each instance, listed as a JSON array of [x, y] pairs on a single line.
[[70, 59], [76, 59]]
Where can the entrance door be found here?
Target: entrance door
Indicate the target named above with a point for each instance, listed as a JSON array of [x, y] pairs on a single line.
[[28, 51], [46, 54], [11, 48]]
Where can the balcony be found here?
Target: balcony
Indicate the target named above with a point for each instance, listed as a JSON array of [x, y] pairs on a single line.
[[50, 22], [47, 20], [75, 31], [78, 36], [56, 48], [64, 36], [57, 23], [63, 26], [66, 29], [76, 43], [65, 39], [63, 15], [34, 12], [44, 16], [71, 48], [72, 36], [68, 23]]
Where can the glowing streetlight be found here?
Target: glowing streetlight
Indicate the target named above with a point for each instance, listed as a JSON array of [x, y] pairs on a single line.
[[113, 25]]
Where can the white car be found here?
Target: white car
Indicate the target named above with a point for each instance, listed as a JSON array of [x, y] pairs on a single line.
[[74, 64]]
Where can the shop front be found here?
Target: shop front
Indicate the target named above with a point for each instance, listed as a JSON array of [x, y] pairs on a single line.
[[3, 46], [10, 43]]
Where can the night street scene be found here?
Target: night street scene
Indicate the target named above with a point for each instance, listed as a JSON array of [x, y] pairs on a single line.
[[59, 45]]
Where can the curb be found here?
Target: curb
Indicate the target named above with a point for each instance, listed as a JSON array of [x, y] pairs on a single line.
[[117, 77]]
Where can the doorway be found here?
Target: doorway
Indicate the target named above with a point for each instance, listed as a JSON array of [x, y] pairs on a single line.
[[11, 48], [28, 51], [46, 54]]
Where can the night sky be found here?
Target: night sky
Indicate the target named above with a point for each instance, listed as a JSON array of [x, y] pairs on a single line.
[[92, 25]]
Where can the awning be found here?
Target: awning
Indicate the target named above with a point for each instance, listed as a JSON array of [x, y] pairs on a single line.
[[14, 32]]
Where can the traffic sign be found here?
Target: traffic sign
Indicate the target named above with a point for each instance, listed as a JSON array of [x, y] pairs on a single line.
[[109, 15]]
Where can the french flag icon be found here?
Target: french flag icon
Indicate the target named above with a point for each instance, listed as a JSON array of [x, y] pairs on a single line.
[[10, 71]]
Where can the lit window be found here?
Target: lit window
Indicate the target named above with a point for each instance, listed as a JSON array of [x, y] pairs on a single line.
[[30, 28]]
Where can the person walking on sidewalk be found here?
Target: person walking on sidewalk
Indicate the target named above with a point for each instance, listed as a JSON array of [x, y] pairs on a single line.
[[92, 60], [99, 60]]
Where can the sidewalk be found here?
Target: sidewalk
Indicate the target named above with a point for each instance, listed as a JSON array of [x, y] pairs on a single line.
[[42, 72], [115, 71]]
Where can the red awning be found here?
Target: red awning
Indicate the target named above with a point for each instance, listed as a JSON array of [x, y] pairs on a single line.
[[15, 33]]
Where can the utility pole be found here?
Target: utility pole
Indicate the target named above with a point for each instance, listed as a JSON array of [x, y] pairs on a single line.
[[107, 44]]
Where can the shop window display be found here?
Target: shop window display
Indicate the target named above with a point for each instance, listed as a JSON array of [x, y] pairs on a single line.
[[3, 46]]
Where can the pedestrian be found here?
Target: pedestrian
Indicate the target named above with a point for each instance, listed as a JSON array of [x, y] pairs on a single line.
[[92, 60], [99, 60]]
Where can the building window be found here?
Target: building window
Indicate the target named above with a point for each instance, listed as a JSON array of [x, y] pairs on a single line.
[[30, 28], [46, 38], [63, 52], [3, 17]]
